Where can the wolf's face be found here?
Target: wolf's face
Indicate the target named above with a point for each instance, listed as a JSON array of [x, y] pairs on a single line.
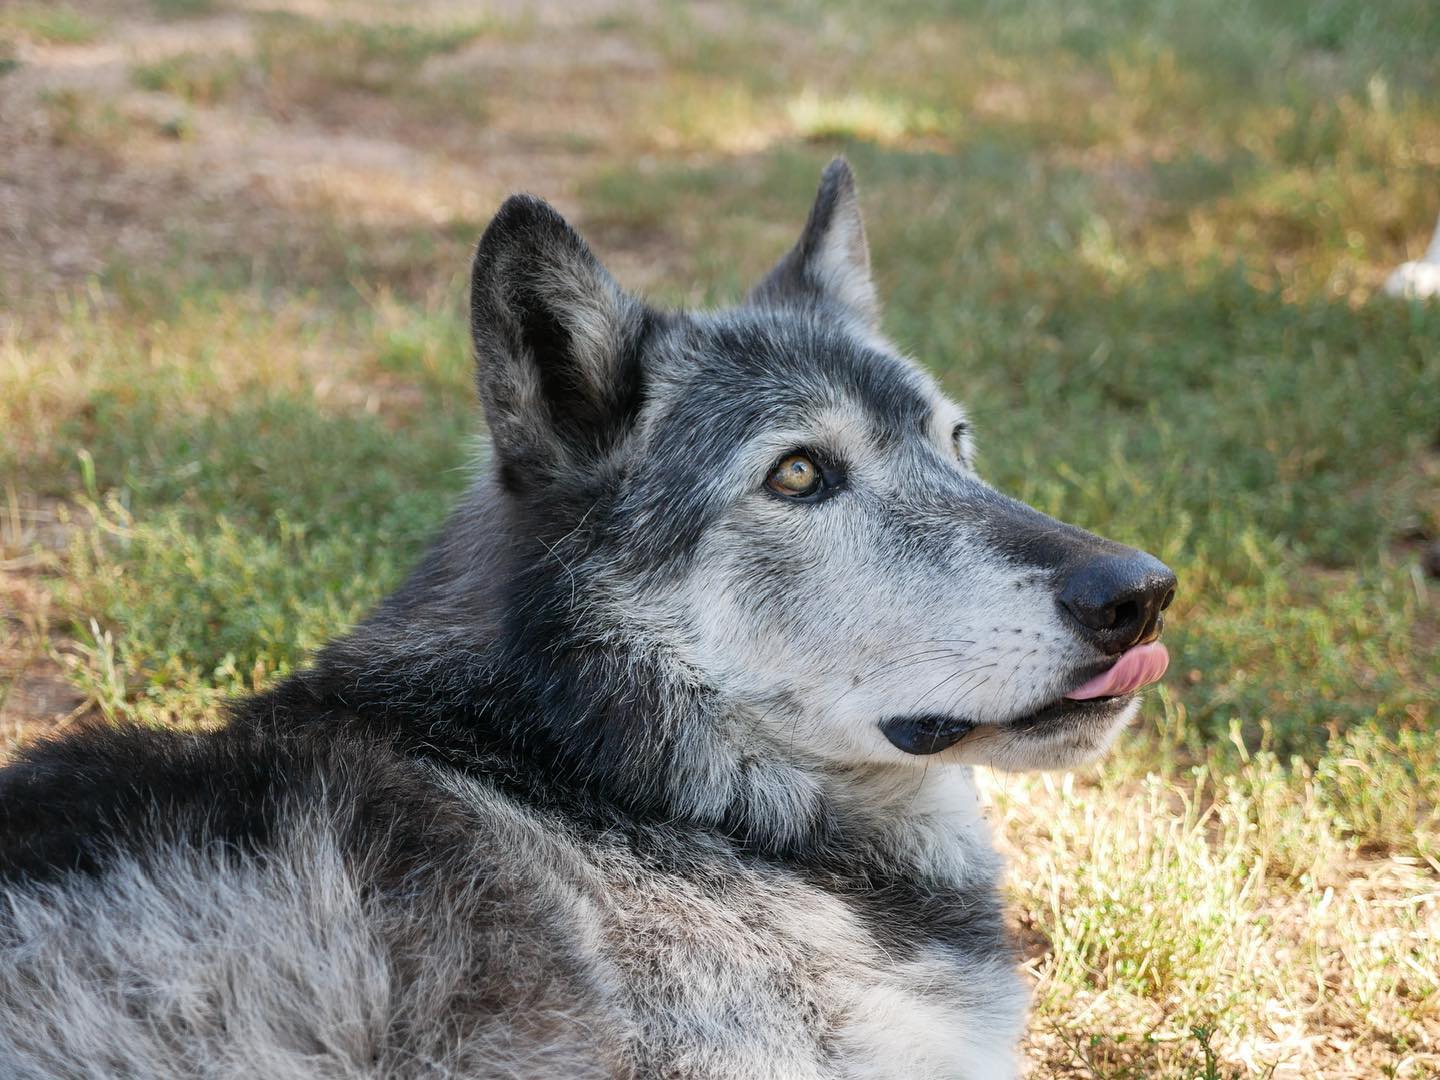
[[788, 510]]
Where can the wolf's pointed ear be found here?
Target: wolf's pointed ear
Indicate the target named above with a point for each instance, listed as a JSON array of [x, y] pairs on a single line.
[[557, 342], [831, 262]]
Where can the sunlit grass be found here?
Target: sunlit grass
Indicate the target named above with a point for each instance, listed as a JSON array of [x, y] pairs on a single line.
[[1239, 903], [858, 116]]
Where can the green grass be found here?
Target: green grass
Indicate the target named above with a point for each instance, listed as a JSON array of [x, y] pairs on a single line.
[[338, 55], [179, 9], [200, 79], [229, 543], [299, 63], [1140, 240], [49, 24]]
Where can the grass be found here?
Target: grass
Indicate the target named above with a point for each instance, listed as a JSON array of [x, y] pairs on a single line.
[[301, 57], [1140, 240], [301, 64], [199, 79], [49, 24], [175, 9]]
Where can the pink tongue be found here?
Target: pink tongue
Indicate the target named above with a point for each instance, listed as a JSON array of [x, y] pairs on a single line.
[[1137, 667]]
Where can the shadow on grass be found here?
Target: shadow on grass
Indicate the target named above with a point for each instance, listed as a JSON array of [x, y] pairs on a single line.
[[227, 547]]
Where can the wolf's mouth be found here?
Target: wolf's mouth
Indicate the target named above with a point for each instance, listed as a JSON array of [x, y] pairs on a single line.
[[1138, 666], [1106, 692]]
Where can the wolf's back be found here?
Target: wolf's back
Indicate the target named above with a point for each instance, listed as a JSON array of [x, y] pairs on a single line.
[[222, 904]]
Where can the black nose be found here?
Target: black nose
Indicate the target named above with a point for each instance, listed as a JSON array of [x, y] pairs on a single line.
[[1118, 599]]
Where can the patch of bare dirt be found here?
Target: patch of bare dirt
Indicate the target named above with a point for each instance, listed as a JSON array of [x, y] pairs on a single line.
[[98, 171], [37, 700], [35, 696]]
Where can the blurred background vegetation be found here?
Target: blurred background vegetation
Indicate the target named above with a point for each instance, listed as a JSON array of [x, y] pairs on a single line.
[[1142, 240]]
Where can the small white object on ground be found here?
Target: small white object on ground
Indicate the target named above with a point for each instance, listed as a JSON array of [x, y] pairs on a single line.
[[1418, 280]]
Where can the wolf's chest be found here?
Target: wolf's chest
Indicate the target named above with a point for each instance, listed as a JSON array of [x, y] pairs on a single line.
[[732, 977]]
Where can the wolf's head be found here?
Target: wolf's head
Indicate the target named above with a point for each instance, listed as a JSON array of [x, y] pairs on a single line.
[[782, 513], [735, 567]]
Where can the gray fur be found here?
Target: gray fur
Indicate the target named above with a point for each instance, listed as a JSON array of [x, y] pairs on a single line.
[[603, 789]]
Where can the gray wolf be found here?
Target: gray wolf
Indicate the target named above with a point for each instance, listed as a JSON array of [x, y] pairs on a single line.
[[659, 764]]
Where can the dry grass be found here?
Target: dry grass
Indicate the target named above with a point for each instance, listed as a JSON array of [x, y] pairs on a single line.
[[1167, 907]]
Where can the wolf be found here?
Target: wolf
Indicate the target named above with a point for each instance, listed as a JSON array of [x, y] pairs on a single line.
[[658, 765]]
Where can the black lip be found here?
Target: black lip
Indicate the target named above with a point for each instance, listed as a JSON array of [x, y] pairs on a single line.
[[1066, 709], [927, 733], [930, 733]]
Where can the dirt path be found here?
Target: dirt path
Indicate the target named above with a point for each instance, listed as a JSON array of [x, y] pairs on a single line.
[[99, 171], [35, 695]]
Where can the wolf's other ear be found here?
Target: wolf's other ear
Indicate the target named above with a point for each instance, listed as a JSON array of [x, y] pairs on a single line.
[[556, 339], [831, 262]]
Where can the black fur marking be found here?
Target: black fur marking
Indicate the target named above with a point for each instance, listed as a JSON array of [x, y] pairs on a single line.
[[1031, 538], [545, 313], [70, 805]]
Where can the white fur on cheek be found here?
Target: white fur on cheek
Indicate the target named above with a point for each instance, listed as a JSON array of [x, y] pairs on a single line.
[[869, 626]]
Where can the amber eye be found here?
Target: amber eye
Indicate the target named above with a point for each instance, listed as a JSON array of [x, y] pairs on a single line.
[[796, 476]]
